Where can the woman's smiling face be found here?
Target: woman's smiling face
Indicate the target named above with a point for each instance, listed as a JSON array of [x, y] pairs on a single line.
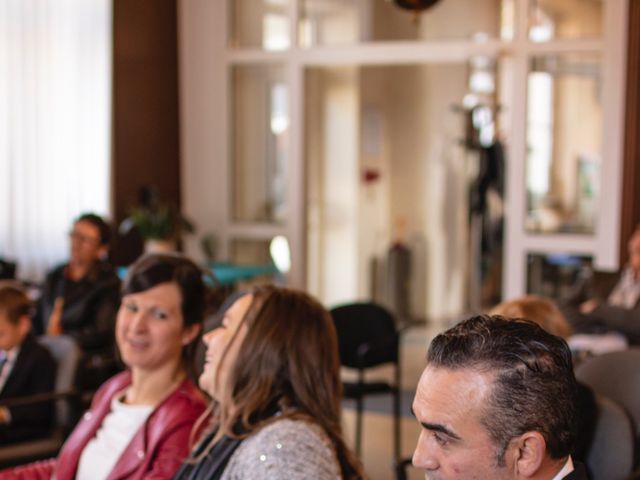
[[150, 329]]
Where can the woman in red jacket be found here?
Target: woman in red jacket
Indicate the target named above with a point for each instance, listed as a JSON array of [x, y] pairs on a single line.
[[139, 423]]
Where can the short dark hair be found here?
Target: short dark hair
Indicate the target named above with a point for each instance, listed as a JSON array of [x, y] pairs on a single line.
[[534, 385], [154, 269], [15, 303], [97, 221]]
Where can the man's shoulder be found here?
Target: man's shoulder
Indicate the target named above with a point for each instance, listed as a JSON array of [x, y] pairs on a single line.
[[56, 272], [104, 273], [579, 472], [33, 350]]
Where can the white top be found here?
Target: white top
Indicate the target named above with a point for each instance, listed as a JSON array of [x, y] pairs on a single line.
[[116, 432], [627, 291], [566, 470]]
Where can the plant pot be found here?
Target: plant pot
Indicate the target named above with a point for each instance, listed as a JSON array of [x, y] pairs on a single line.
[[156, 245]]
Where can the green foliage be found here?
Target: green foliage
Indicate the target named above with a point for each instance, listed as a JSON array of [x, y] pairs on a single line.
[[161, 223]]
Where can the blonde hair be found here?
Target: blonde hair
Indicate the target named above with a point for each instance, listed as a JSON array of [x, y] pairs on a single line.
[[540, 310]]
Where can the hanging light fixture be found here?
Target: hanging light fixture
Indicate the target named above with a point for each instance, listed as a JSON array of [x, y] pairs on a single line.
[[415, 6]]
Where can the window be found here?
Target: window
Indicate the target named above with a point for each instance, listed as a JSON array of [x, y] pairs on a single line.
[[55, 97]]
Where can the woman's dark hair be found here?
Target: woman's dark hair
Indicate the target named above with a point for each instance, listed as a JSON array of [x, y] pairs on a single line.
[[154, 269], [289, 357]]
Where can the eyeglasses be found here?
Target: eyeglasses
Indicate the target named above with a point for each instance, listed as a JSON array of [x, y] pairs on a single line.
[[78, 237]]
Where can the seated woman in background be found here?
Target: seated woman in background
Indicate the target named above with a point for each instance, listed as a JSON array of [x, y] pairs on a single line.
[[273, 372], [139, 422], [545, 313]]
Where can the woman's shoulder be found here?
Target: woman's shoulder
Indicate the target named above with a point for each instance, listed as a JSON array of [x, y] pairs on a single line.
[[287, 448], [184, 404]]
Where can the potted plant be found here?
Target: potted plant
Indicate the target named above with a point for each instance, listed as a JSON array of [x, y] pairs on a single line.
[[160, 226]]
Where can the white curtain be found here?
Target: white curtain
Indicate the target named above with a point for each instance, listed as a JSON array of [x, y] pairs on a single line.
[[55, 124]]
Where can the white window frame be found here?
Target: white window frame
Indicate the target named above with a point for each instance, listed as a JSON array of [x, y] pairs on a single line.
[[206, 90]]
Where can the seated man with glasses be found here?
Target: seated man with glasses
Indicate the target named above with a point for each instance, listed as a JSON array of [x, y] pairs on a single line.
[[80, 298]]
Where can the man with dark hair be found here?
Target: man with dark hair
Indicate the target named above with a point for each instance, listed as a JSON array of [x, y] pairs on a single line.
[[81, 298], [497, 400]]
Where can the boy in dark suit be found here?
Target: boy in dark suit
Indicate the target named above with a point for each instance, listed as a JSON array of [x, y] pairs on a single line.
[[26, 368]]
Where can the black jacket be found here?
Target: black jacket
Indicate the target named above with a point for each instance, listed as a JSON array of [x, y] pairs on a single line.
[[33, 372], [579, 473], [90, 306]]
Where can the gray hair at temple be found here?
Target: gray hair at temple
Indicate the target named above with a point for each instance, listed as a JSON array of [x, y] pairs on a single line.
[[534, 387]]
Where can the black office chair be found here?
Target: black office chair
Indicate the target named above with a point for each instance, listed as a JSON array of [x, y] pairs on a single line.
[[616, 376], [7, 270], [611, 454], [367, 337]]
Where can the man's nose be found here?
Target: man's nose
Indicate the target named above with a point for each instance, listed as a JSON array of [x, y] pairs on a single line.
[[424, 456]]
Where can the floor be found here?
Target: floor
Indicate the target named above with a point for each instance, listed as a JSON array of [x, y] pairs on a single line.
[[377, 439]]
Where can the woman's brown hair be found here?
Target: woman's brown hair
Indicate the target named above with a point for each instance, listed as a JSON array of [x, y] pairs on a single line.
[[288, 360]]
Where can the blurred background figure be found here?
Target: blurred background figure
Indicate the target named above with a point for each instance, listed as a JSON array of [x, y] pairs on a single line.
[[612, 304], [80, 299], [26, 368]]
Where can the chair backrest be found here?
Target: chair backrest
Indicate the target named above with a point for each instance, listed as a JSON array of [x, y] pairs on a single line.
[[66, 353], [610, 456], [615, 375], [367, 334], [7, 269]]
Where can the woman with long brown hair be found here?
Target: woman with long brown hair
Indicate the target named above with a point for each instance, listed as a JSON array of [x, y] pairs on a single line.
[[272, 370]]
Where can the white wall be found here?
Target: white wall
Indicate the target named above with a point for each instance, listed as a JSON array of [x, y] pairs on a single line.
[[332, 184], [201, 33]]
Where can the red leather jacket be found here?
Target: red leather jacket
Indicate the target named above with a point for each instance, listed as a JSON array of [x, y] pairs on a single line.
[[155, 452]]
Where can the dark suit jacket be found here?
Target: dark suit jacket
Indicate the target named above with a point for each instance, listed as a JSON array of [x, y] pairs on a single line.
[[587, 418], [33, 372], [579, 473]]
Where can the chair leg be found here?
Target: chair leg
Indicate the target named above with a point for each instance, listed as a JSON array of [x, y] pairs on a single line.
[[396, 419], [401, 468], [359, 409]]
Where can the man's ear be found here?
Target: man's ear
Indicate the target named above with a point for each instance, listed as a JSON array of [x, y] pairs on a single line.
[[530, 449]]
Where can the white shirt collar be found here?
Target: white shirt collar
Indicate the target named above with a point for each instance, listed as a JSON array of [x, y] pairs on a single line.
[[11, 355], [566, 470]]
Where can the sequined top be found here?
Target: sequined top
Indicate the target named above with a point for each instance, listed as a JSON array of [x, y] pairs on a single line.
[[286, 449]]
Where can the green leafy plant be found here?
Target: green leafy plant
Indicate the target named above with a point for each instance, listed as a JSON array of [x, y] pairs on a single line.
[[161, 223]]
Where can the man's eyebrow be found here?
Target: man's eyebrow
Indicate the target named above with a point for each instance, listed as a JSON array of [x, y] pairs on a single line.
[[436, 427]]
